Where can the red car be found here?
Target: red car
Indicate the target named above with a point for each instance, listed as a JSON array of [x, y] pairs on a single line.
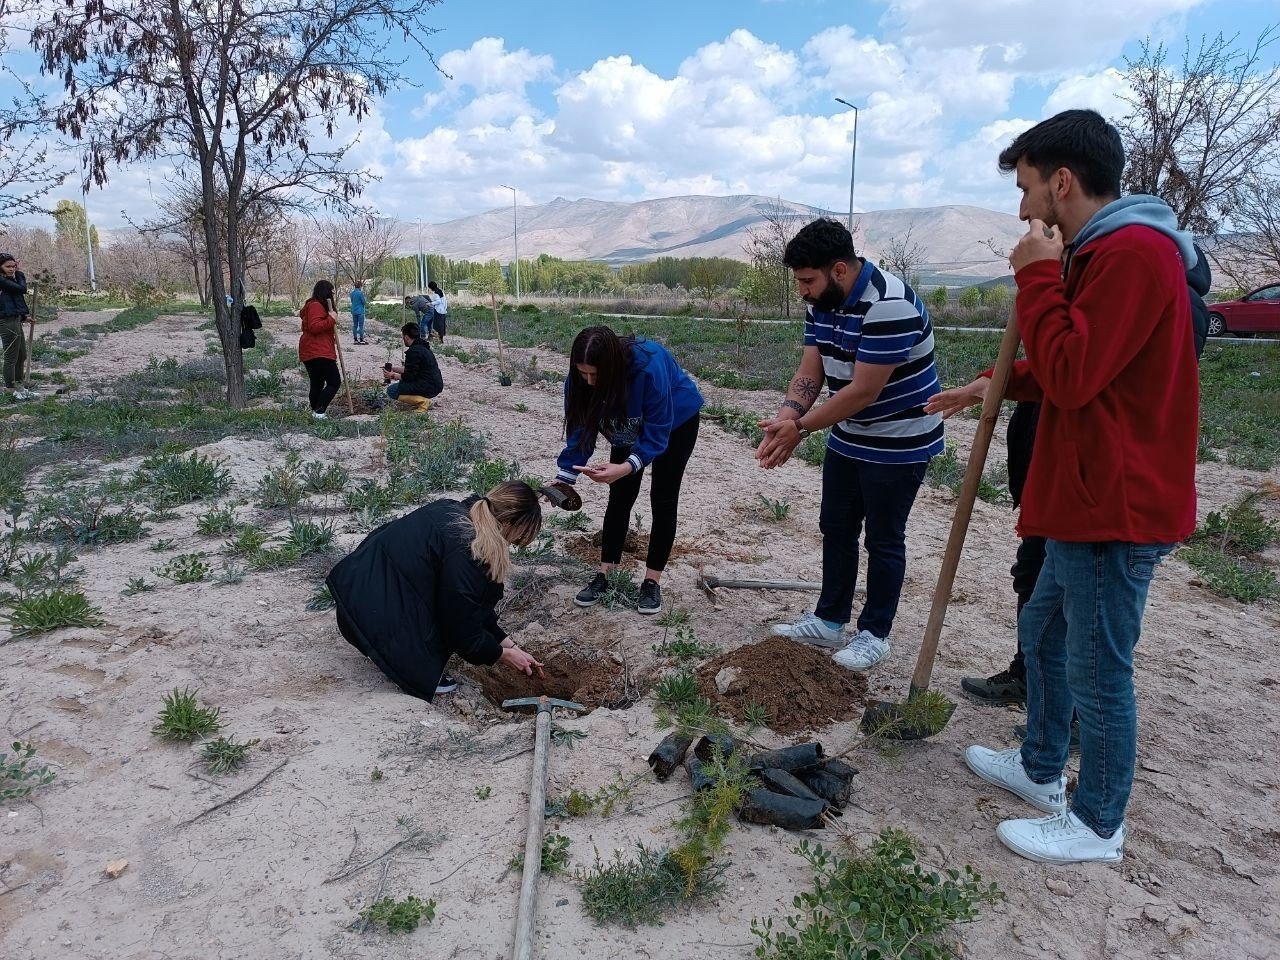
[[1256, 312]]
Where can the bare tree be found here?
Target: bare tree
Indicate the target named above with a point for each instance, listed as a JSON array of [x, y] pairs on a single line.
[[768, 282], [27, 175], [1249, 255], [355, 247], [294, 258], [903, 257], [1198, 130], [241, 87]]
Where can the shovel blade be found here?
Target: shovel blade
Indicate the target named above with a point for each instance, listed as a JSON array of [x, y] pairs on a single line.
[[896, 721]]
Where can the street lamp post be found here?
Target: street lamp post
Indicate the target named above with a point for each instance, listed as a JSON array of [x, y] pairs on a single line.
[[853, 162], [515, 235]]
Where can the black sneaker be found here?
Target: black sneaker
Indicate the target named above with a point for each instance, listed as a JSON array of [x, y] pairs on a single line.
[[590, 595], [650, 597], [1003, 688], [1073, 746], [446, 684]]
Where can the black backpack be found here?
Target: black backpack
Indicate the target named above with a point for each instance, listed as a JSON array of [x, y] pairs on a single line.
[[1198, 281]]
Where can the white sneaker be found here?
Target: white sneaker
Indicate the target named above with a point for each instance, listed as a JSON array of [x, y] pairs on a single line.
[[810, 629], [317, 415], [1061, 838], [1003, 768], [863, 652]]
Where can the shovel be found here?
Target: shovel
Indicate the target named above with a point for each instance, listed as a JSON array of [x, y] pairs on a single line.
[[921, 717]]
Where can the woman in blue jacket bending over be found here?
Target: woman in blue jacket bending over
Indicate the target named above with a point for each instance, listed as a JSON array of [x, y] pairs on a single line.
[[635, 394]]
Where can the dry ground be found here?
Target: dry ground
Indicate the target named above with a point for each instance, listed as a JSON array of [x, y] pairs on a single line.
[[251, 880]]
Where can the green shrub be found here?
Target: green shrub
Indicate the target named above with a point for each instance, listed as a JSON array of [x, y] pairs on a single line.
[[182, 719], [399, 916], [42, 612], [174, 479], [185, 568]]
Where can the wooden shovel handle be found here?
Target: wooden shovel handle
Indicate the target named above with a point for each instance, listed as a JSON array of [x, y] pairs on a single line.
[[964, 506]]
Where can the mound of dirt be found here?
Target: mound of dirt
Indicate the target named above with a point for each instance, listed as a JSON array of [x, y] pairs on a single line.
[[571, 671], [799, 686], [586, 547]]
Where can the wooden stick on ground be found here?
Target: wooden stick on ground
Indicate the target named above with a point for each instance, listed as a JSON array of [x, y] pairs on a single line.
[[243, 793]]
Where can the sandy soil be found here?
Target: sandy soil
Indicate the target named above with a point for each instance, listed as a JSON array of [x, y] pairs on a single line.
[[254, 879]]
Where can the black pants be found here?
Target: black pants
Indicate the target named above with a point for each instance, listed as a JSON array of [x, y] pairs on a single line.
[[1025, 572], [881, 494], [325, 381], [439, 321], [664, 498]]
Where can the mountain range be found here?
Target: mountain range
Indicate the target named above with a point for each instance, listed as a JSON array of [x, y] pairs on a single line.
[[954, 241]]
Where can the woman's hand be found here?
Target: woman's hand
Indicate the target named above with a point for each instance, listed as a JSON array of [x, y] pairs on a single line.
[[517, 659], [606, 472], [950, 402]]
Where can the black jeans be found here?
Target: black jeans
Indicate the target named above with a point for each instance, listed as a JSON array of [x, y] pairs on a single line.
[[664, 498], [439, 323], [325, 381], [881, 494], [1025, 572]]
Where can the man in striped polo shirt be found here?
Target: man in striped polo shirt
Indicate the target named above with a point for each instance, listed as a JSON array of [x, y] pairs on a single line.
[[868, 336]]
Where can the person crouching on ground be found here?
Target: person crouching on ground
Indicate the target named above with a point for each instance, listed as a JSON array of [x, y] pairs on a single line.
[[424, 587], [318, 348], [419, 380], [634, 393]]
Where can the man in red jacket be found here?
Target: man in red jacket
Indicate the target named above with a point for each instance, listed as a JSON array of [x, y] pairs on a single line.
[[1106, 326]]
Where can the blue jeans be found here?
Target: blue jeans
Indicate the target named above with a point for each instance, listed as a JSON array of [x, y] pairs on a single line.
[[393, 389], [357, 326], [1078, 633], [881, 494], [424, 324]]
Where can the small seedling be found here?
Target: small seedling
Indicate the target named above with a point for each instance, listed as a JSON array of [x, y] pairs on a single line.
[[306, 538], [684, 646], [673, 617], [136, 585], [217, 521], [185, 568], [17, 776], [620, 590], [376, 775], [399, 916], [226, 754], [757, 716], [555, 855], [677, 689], [775, 510], [484, 793], [163, 545], [565, 736], [182, 719]]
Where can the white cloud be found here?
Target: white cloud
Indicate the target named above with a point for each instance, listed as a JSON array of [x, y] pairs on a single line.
[[1103, 91]]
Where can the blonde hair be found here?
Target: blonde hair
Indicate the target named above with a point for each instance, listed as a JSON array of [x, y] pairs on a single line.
[[508, 514]]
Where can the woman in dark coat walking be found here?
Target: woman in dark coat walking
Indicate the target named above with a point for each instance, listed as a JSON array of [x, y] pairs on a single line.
[[424, 587]]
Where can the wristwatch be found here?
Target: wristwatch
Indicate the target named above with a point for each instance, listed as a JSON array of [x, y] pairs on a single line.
[[804, 431]]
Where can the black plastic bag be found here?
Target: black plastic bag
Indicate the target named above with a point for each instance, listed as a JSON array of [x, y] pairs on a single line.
[[669, 754], [776, 809]]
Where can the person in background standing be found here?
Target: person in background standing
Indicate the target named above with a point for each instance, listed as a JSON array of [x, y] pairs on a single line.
[[13, 313], [318, 348], [440, 318], [422, 311], [358, 303]]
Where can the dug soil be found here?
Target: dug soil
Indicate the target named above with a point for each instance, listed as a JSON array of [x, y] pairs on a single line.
[[799, 686], [570, 671]]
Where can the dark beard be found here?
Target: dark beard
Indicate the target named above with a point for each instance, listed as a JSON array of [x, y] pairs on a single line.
[[831, 298]]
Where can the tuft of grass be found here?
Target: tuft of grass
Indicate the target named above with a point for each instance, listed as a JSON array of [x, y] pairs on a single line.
[[163, 545], [676, 690], [86, 519], [316, 477], [621, 591], [757, 716], [173, 479], [247, 541], [604, 800], [881, 902], [217, 521], [399, 916], [575, 521], [1225, 551], [137, 585], [487, 474], [484, 793], [18, 775], [281, 488], [182, 719], [639, 890], [321, 598], [684, 646], [1239, 578], [226, 754], [38, 613], [185, 568], [306, 538]]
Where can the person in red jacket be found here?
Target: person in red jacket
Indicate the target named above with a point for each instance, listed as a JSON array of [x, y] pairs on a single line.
[[318, 348], [1106, 326]]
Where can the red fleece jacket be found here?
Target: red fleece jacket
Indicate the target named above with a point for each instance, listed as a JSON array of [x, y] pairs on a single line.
[[1111, 357], [317, 333]]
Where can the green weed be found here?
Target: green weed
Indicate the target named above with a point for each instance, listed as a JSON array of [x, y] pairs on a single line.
[[38, 613], [18, 775], [399, 916], [555, 855], [185, 568], [775, 510], [137, 585], [226, 754], [217, 521], [182, 719], [173, 479]]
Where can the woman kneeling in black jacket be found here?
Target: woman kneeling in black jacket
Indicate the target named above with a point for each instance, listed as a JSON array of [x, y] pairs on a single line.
[[425, 586]]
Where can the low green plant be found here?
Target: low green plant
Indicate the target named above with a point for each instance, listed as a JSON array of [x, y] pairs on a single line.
[[182, 719], [174, 479], [163, 545], [232, 573], [1242, 529], [18, 775], [677, 689], [1239, 578], [226, 754], [673, 616], [247, 541], [306, 537], [484, 793], [756, 716], [38, 613], [217, 521], [370, 497], [376, 774], [281, 488], [185, 568], [875, 903], [487, 474], [321, 598], [604, 800], [34, 572], [399, 916], [575, 521], [555, 855], [1226, 550], [923, 714], [137, 585], [317, 477], [685, 645], [86, 519], [621, 591], [775, 510], [639, 890]]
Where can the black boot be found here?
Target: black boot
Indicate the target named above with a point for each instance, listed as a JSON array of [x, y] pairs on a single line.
[[1000, 689]]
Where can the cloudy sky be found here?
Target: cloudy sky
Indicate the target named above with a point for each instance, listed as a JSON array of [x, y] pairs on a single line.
[[630, 101]]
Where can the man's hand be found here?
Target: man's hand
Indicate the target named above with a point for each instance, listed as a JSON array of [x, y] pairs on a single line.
[[606, 472], [1040, 242], [781, 437], [950, 402]]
